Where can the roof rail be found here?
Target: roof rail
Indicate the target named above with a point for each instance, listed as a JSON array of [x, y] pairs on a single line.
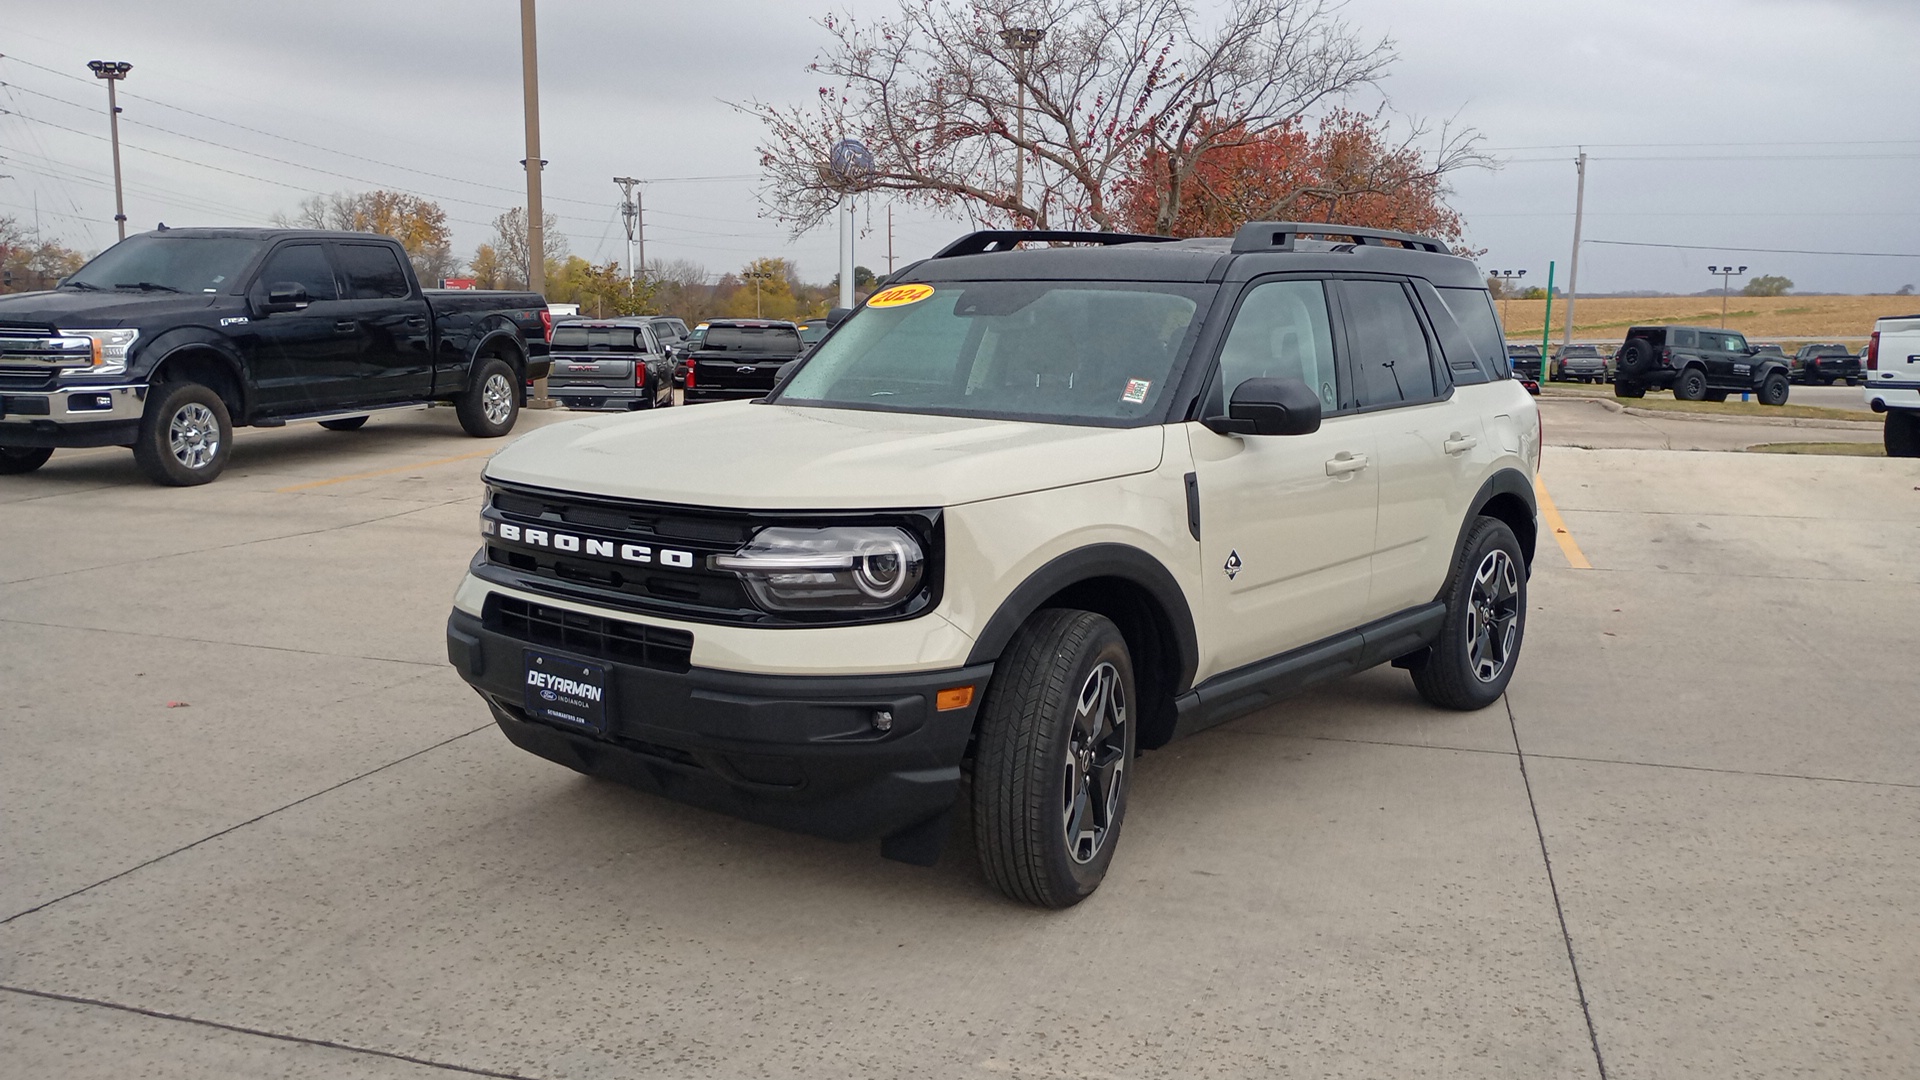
[[1007, 239], [1280, 235]]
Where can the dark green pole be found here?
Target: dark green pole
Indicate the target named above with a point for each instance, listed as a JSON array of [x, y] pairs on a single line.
[[1546, 324]]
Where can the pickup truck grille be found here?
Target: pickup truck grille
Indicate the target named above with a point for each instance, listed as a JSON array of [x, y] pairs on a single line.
[[612, 640], [28, 349], [28, 378]]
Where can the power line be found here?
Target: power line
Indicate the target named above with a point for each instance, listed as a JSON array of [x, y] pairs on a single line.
[[1768, 251]]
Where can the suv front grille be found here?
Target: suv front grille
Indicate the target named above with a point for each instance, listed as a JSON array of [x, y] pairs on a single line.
[[613, 640]]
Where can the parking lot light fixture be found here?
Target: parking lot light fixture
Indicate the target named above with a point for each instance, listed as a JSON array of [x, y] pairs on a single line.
[[1726, 275], [112, 71]]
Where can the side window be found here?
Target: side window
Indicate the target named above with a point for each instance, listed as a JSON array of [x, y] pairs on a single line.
[[1685, 339], [1473, 310], [305, 265], [1282, 331], [1462, 357], [1388, 348], [372, 272], [1734, 343]]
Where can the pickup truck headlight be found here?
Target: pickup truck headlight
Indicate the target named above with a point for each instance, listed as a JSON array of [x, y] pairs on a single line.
[[841, 568], [110, 349]]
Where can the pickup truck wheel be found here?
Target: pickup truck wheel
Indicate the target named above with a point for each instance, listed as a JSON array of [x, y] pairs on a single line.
[[15, 460], [488, 408], [1472, 662], [186, 437], [1050, 767], [345, 423], [1690, 386], [1902, 435], [1773, 390]]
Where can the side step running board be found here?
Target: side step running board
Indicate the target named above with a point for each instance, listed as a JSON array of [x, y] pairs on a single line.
[[314, 418]]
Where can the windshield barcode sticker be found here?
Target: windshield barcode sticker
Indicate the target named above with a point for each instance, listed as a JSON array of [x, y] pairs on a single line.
[[1136, 391]]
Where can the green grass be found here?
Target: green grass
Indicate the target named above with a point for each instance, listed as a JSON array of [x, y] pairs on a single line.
[[1824, 449], [1660, 401]]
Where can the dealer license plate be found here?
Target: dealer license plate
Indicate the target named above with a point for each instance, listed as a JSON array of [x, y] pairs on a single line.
[[567, 691]]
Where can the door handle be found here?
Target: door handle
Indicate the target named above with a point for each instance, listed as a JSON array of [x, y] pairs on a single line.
[[417, 322], [1343, 463], [1459, 444], [346, 326]]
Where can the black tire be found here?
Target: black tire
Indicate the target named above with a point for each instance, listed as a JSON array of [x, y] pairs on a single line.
[[1691, 385], [1470, 665], [345, 423], [1773, 390], [489, 405], [1625, 389], [1056, 729], [1716, 395], [1902, 435], [15, 460], [1636, 356], [186, 436]]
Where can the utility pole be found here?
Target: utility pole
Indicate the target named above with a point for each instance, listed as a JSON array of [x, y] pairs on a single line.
[[846, 251], [1022, 40], [630, 216], [1573, 271], [533, 163], [113, 71]]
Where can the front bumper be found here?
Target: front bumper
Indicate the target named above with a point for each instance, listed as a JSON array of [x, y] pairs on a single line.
[[72, 416], [796, 752]]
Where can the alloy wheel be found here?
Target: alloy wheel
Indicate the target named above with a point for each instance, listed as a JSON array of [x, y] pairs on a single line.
[[1096, 761], [194, 435], [1493, 616], [496, 398]]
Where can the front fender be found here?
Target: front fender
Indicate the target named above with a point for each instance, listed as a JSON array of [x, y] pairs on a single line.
[[170, 343]]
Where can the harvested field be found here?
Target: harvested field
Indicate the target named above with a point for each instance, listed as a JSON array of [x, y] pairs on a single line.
[[1784, 319]]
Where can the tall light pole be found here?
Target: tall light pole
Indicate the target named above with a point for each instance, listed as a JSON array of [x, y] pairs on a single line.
[[113, 71], [1726, 274], [1573, 271], [757, 276], [533, 163], [1022, 40], [1507, 280]]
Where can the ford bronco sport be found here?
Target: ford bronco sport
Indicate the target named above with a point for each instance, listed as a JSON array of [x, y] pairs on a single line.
[[1024, 514]]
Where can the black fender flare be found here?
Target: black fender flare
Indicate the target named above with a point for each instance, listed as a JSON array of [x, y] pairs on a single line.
[[170, 343], [1085, 564], [488, 338], [1506, 482]]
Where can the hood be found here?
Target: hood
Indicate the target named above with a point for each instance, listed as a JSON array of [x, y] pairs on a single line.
[[76, 308], [780, 457]]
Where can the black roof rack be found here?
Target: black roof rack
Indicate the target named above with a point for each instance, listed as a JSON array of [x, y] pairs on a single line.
[[1280, 235], [1007, 239]]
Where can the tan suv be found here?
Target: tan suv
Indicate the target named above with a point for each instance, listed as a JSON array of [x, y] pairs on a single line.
[[1027, 512]]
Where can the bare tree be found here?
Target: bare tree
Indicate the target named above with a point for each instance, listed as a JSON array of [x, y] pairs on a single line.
[[510, 244], [935, 94]]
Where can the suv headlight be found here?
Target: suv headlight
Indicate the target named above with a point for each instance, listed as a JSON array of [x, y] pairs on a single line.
[[840, 568], [110, 349]]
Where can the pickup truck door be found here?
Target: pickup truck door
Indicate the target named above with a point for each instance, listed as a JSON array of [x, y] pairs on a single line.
[[299, 358], [392, 325]]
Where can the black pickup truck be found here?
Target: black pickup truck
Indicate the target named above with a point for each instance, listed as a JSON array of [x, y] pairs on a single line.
[[740, 358], [168, 340]]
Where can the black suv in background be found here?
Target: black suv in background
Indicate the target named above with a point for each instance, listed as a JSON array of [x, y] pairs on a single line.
[[740, 358], [1825, 365], [1697, 364]]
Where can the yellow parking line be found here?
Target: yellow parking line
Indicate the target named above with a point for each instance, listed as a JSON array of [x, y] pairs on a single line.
[[1551, 513], [386, 472]]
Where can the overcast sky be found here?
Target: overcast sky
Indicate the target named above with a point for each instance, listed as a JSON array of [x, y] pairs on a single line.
[[1749, 123]]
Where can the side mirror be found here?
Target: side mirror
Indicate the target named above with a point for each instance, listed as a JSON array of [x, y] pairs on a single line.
[[1269, 407], [285, 296], [836, 316]]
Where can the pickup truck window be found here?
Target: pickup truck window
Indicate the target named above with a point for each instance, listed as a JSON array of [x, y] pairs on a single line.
[[169, 264], [752, 339], [305, 265], [373, 272], [607, 339]]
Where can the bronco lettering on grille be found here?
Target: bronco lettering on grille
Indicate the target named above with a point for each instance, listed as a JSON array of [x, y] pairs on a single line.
[[605, 549]]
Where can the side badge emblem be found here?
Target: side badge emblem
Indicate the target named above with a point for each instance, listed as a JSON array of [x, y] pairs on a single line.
[[1233, 564]]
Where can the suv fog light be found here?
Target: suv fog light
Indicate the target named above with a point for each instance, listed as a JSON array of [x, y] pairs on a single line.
[[883, 720]]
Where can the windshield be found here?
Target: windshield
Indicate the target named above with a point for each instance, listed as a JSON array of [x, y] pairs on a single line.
[[169, 264], [1053, 351], [620, 339]]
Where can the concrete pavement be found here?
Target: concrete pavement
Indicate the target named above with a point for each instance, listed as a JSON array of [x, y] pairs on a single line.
[[1685, 845]]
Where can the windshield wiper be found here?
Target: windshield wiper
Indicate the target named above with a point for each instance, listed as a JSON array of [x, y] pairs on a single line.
[[83, 286], [144, 286]]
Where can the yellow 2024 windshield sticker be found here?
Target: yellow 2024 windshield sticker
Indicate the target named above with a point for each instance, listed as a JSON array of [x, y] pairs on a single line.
[[900, 296]]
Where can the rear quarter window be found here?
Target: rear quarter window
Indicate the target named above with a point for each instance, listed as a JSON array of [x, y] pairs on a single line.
[[1473, 344]]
